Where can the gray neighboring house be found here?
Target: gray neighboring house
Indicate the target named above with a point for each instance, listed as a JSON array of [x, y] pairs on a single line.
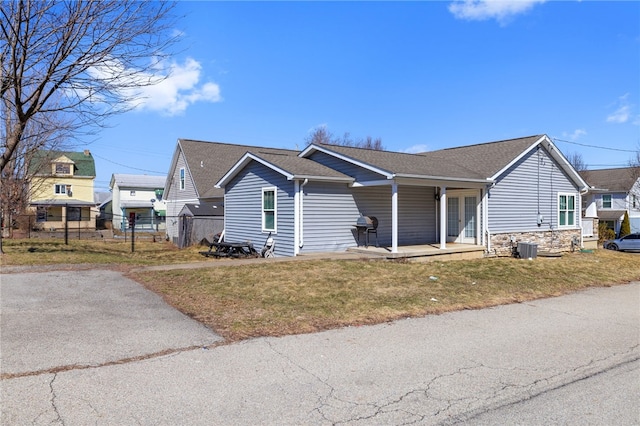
[[490, 195], [613, 192], [103, 202], [195, 168]]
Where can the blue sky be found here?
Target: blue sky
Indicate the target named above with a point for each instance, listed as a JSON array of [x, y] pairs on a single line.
[[419, 75]]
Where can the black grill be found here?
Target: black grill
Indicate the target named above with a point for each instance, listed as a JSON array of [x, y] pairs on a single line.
[[367, 225]]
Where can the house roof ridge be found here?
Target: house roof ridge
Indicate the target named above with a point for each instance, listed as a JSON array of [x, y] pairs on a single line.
[[535, 137], [234, 144], [608, 168]]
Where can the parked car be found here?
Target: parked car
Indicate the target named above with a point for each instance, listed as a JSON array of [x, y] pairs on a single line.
[[628, 242]]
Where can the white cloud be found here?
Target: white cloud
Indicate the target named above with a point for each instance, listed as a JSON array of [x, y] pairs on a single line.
[[500, 10], [622, 114], [176, 86], [575, 135], [179, 88], [415, 149]]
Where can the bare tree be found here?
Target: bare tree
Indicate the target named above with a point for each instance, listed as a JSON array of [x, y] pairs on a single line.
[[320, 135], [82, 61], [576, 160], [16, 180], [634, 164]]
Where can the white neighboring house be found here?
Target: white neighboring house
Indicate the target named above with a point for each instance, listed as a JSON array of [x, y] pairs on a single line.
[[613, 191], [138, 198]]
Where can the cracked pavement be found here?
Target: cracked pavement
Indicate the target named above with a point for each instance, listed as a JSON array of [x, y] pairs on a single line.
[[469, 367]]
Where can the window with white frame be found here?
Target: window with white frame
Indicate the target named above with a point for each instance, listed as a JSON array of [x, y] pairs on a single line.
[[606, 201], [269, 209], [566, 210], [182, 178], [60, 189]]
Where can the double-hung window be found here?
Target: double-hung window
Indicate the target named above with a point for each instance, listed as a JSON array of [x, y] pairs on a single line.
[[60, 189], [606, 201], [566, 210], [269, 209], [182, 178]]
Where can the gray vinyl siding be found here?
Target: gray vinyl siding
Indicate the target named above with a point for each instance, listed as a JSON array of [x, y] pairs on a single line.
[[416, 215], [243, 208], [329, 215], [358, 173], [523, 189], [177, 198], [618, 201], [416, 212]]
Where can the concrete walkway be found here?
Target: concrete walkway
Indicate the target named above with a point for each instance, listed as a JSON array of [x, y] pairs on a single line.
[[444, 369]]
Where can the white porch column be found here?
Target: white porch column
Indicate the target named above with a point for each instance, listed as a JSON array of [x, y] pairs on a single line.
[[394, 217], [296, 217], [443, 217]]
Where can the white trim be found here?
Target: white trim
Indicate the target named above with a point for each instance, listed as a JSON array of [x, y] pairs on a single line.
[[242, 163], [62, 187], [297, 220], [555, 153], [313, 147], [576, 210], [486, 233], [443, 217], [394, 217], [182, 179], [275, 209], [248, 157]]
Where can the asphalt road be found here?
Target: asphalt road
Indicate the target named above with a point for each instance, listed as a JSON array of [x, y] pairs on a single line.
[[565, 360]]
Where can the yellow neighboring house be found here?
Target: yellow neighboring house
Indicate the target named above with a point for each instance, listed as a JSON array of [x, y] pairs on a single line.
[[61, 189]]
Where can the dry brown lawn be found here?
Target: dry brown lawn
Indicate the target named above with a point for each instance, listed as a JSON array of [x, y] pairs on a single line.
[[277, 299], [273, 299]]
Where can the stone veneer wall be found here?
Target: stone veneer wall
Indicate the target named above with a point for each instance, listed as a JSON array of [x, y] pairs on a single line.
[[550, 241]]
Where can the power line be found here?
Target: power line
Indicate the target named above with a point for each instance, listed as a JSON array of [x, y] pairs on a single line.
[[129, 167], [594, 146]]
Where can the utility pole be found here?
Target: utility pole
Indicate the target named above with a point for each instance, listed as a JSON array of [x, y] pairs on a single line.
[[66, 224]]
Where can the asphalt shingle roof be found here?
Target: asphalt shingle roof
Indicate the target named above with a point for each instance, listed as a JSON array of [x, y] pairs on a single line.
[[208, 162], [486, 159], [619, 179], [301, 167], [479, 161]]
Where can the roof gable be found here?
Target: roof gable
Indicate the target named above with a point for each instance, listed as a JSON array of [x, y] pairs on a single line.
[[292, 167], [83, 162], [208, 162], [487, 159]]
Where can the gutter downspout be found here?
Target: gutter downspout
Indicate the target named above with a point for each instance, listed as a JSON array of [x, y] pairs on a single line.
[[301, 213]]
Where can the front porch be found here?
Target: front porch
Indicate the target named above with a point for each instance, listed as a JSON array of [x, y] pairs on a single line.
[[425, 252]]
